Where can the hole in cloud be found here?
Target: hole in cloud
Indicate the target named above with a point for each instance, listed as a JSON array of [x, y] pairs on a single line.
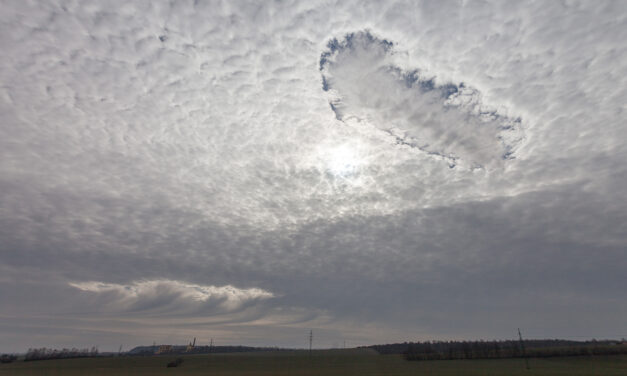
[[169, 295], [369, 88]]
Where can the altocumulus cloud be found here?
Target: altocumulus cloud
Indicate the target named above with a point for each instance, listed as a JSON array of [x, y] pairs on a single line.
[[378, 171]]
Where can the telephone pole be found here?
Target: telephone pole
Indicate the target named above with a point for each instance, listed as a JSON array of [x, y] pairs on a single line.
[[522, 347], [310, 340]]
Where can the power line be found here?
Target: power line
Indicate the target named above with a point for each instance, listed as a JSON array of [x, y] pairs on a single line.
[[522, 347]]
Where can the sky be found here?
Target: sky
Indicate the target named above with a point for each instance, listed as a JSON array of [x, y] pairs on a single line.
[[248, 171]]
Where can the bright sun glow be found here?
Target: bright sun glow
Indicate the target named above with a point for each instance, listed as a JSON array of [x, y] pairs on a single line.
[[342, 161]]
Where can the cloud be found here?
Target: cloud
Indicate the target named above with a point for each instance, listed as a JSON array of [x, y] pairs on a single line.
[[155, 294], [190, 146]]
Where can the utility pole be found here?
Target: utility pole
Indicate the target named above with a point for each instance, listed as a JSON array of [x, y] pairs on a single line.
[[211, 345], [310, 340], [120, 351], [522, 347]]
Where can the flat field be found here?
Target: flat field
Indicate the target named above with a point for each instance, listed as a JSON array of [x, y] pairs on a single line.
[[360, 362]]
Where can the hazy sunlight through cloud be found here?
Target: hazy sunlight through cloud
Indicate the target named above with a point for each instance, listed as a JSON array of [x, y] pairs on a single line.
[[248, 171], [343, 161]]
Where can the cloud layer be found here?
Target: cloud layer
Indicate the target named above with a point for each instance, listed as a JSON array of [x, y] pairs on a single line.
[[159, 293], [168, 150]]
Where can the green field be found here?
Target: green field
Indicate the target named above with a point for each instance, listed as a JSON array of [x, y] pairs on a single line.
[[328, 362]]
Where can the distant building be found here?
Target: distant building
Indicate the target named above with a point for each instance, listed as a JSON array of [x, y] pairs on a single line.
[[191, 346], [164, 349]]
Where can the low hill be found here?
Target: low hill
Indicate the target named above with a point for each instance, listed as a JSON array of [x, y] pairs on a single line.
[[180, 349]]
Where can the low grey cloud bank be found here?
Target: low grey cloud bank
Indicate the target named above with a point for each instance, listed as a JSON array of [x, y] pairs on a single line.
[[167, 151]]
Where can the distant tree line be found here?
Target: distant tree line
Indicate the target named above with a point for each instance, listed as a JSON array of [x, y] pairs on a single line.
[[7, 358], [445, 350], [178, 349], [46, 353], [229, 349]]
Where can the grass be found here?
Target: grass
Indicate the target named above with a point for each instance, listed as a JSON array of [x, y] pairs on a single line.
[[327, 362]]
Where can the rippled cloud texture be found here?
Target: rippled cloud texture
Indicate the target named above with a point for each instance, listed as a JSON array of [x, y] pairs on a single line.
[[246, 171]]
